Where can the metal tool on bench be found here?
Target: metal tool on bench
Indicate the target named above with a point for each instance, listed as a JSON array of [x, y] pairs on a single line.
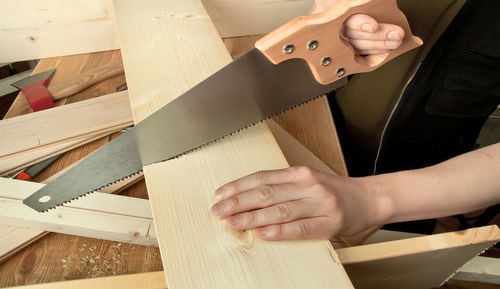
[[29, 173], [40, 97], [270, 78]]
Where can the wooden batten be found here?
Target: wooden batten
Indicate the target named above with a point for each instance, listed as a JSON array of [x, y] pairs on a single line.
[[41, 29], [415, 263], [479, 269], [198, 251], [99, 215], [394, 259], [12, 239], [37, 136]]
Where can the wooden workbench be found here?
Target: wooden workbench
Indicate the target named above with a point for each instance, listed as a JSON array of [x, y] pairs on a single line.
[[63, 257], [58, 257]]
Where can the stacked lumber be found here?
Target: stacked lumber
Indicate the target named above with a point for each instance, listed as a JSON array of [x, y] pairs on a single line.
[[37, 136], [41, 29]]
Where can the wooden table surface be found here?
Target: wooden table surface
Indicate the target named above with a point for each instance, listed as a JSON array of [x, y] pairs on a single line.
[[57, 257]]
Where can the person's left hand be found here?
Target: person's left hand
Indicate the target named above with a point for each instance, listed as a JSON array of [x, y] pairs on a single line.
[[297, 203]]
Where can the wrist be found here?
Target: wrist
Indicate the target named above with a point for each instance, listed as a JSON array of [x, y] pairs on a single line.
[[379, 190]]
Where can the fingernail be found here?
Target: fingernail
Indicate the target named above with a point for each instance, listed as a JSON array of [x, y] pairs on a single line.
[[236, 220], [219, 196], [391, 44], [218, 209], [265, 232], [393, 35], [367, 27]]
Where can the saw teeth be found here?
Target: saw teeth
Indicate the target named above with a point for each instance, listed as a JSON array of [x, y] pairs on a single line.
[[233, 132], [91, 192]]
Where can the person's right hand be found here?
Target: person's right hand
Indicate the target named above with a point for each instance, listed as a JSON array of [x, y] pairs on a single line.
[[364, 33], [367, 36]]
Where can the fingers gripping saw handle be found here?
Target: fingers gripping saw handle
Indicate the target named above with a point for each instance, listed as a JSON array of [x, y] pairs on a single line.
[[316, 39]]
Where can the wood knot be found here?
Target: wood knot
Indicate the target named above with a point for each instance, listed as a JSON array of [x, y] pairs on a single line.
[[244, 239]]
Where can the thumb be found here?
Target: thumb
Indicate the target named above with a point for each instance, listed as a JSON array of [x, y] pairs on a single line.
[[361, 22]]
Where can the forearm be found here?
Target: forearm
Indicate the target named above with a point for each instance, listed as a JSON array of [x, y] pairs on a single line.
[[459, 185]]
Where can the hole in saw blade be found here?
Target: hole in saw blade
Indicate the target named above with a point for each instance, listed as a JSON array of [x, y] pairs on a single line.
[[44, 199]]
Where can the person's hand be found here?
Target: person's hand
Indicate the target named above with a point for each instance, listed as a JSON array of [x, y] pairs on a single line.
[[365, 34], [368, 37], [297, 203]]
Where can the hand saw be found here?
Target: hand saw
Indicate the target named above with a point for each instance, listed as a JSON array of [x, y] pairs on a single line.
[[301, 60]]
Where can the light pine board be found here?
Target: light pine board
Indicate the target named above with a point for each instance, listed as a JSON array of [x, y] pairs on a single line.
[[165, 53], [33, 29], [60, 123], [41, 261], [479, 268], [295, 152], [408, 260], [36, 136], [415, 263], [12, 239], [98, 215]]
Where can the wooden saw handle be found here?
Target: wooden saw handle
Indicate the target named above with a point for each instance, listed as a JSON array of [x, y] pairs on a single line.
[[84, 80], [333, 57]]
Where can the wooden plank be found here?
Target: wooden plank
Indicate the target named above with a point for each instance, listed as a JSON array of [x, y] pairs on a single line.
[[234, 18], [15, 162], [39, 29], [36, 136], [295, 152], [49, 28], [423, 262], [58, 124], [475, 236], [181, 190], [98, 215], [150, 280], [63, 257], [12, 239]]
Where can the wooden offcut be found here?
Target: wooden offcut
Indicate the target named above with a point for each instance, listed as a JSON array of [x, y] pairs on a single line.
[[103, 216], [37, 136], [415, 263]]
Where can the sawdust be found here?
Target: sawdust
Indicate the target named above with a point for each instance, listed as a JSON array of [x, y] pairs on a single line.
[[105, 260]]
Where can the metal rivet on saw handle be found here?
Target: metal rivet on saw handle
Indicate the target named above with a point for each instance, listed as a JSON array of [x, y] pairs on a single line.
[[289, 48], [326, 61], [313, 44]]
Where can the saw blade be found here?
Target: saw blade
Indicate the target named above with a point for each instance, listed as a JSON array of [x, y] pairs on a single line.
[[243, 93]]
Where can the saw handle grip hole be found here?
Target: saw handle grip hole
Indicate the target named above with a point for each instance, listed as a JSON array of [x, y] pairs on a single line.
[[44, 199], [371, 60]]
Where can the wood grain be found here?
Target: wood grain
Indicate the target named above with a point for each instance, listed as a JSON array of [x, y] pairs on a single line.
[[441, 244], [12, 239], [50, 28], [84, 80], [99, 215], [180, 190], [45, 258], [311, 124], [35, 136], [422, 262]]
